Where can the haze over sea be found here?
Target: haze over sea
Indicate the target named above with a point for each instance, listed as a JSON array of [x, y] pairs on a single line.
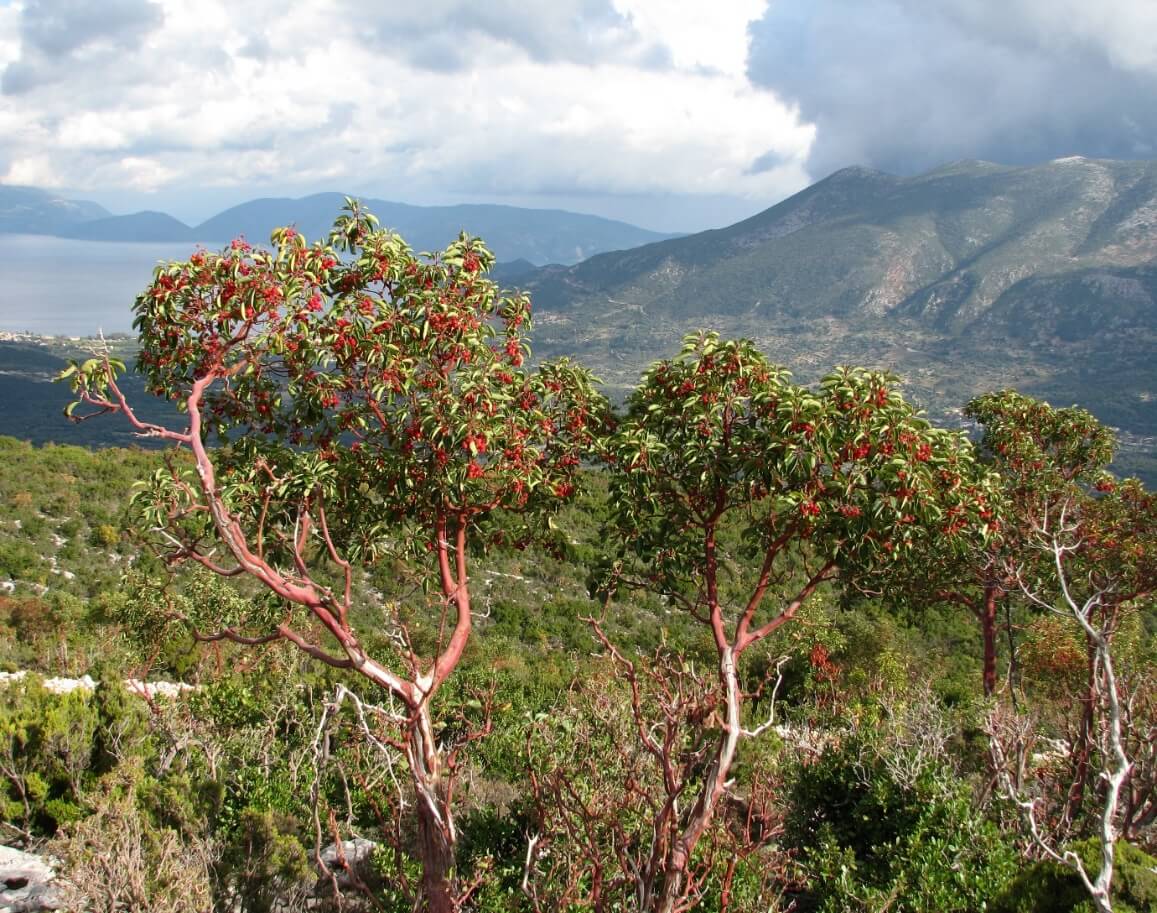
[[56, 286]]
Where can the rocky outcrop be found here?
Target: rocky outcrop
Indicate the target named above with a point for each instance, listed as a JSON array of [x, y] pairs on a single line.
[[86, 683], [351, 864], [27, 883]]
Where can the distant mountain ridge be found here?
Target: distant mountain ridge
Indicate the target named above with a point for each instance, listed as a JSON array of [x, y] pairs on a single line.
[[27, 210], [140, 227], [538, 236]]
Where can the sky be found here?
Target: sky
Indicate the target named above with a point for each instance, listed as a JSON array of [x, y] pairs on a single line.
[[670, 114]]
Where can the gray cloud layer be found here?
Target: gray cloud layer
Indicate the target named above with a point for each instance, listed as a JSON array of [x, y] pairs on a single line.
[[635, 108], [64, 35], [905, 85], [576, 31]]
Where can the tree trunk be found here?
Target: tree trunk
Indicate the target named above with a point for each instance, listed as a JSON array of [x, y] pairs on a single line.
[[436, 832], [674, 878], [988, 630], [1082, 749], [437, 855]]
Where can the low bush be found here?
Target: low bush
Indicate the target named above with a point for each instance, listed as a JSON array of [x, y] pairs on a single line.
[[877, 831], [1046, 887]]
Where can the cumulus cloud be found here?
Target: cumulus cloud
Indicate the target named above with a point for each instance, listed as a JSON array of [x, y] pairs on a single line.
[[577, 31], [905, 85], [63, 38], [577, 99], [625, 107], [710, 36], [59, 27]]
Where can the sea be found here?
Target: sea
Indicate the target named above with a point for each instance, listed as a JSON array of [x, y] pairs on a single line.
[[60, 287]]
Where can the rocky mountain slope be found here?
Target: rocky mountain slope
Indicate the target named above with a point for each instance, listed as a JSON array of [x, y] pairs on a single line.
[[945, 246], [967, 278]]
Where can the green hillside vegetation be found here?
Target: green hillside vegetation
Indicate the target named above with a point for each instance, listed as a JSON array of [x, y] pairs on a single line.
[[33, 404], [740, 643], [218, 785]]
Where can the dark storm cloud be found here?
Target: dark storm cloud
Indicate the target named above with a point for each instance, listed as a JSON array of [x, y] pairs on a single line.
[[54, 32], [431, 35], [900, 86]]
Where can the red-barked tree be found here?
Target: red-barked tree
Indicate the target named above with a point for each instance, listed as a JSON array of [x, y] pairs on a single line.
[[346, 400]]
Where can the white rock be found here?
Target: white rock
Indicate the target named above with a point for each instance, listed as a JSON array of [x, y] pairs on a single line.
[[87, 683], [68, 685], [26, 883], [357, 853], [152, 689]]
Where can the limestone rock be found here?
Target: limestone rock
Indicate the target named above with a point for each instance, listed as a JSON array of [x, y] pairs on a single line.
[[27, 883], [357, 854]]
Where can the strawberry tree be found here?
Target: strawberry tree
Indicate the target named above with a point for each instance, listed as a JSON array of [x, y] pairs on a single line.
[[1097, 564], [1036, 445], [1042, 456], [344, 401], [830, 484]]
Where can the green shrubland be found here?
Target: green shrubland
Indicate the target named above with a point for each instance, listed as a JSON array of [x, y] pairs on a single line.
[[717, 650]]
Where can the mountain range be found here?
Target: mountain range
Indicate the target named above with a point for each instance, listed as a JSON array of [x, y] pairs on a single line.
[[971, 277], [538, 236], [968, 278], [27, 210]]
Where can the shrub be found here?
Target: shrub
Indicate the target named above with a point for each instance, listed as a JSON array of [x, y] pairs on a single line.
[[119, 859], [46, 745], [1046, 887], [871, 837]]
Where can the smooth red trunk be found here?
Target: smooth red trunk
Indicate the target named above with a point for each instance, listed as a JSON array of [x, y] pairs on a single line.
[[437, 857], [436, 833]]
